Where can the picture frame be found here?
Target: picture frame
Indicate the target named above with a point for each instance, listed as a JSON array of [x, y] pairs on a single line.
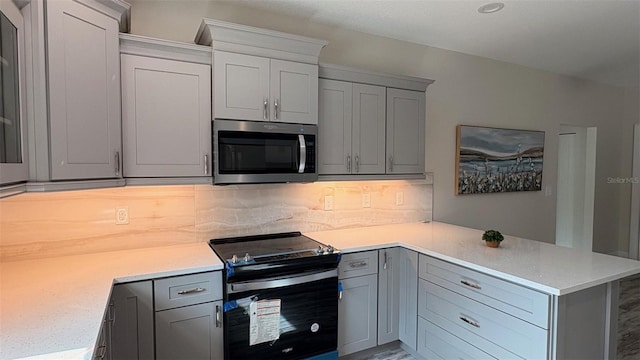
[[496, 160]]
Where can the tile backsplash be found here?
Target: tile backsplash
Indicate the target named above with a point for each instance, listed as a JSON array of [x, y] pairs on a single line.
[[37, 225]]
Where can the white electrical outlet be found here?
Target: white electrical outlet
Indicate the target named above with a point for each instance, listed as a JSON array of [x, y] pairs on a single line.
[[328, 203], [366, 200], [399, 198], [122, 215], [548, 191]]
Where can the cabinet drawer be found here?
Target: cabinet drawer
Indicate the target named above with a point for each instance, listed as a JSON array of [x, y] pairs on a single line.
[[358, 264], [436, 343], [480, 325], [519, 301], [187, 290]]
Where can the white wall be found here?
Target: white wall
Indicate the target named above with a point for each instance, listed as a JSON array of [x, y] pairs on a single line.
[[468, 90]]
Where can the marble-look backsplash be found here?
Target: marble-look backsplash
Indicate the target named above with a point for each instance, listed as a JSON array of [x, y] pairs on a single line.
[[37, 225]]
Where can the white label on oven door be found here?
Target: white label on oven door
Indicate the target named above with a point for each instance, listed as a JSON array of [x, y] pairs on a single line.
[[264, 321]]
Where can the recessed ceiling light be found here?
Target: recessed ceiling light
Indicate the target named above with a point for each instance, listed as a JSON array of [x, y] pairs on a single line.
[[491, 8]]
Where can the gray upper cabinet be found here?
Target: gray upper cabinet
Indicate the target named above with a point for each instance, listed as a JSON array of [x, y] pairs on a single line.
[[381, 134], [368, 129], [166, 117], [256, 88], [84, 92], [261, 74], [351, 128], [294, 92], [241, 86], [13, 139], [334, 126], [405, 131]]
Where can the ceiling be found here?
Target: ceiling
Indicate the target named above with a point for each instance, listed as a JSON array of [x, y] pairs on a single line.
[[596, 40]]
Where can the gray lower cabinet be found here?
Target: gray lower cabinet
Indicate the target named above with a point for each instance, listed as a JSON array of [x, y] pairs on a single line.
[[397, 296], [190, 332], [84, 92], [407, 274], [166, 117], [388, 295], [132, 325], [358, 302], [189, 321], [405, 131]]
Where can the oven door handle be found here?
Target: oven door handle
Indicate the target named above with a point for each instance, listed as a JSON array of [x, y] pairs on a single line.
[[280, 282]]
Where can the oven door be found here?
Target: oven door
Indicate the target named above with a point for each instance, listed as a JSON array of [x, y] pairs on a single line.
[[292, 317]]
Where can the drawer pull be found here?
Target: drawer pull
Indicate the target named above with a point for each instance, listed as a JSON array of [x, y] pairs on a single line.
[[358, 264], [191, 291], [472, 285], [472, 323]]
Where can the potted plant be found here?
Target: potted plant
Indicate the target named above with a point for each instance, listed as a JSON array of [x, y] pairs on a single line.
[[492, 238]]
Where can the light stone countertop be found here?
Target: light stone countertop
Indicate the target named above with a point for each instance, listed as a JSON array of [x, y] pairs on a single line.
[[53, 308], [545, 267]]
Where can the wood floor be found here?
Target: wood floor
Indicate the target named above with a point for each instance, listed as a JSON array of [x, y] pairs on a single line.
[[628, 329]]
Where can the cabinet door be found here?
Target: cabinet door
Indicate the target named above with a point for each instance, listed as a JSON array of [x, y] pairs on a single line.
[[388, 295], [405, 131], [166, 117], [407, 272], [13, 140], [241, 86], [132, 335], [191, 332], [84, 92], [334, 127], [368, 147], [357, 314], [294, 92]]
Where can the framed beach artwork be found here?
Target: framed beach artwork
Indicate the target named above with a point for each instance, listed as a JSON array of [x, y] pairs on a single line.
[[494, 160]]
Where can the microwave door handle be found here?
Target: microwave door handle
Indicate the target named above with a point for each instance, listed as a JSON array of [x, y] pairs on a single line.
[[303, 154]]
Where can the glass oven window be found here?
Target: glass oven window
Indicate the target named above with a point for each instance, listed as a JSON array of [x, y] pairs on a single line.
[[257, 153]]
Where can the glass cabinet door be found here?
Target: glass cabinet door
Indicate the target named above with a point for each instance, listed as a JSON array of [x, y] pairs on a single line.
[[12, 132]]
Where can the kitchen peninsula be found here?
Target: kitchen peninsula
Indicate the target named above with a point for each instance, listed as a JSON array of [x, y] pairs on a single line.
[[55, 306]]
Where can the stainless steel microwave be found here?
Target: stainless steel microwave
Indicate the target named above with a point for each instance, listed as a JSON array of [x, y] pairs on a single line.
[[251, 152]]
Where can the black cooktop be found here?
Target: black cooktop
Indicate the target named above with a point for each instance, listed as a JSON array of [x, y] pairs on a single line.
[[259, 255]]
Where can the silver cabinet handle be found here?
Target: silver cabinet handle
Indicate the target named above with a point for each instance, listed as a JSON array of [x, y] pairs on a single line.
[[358, 264], [357, 163], [472, 323], [206, 164], [218, 319], [340, 295], [265, 112], [385, 261], [275, 103], [191, 291], [471, 285], [390, 163], [303, 154], [348, 163], [117, 160]]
